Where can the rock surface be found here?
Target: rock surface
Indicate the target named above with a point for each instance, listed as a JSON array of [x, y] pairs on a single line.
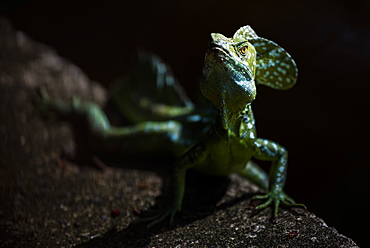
[[50, 202]]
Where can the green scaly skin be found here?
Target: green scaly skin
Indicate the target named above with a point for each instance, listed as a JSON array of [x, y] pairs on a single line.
[[232, 69]]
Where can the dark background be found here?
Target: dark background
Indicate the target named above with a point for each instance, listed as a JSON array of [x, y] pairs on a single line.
[[322, 121]]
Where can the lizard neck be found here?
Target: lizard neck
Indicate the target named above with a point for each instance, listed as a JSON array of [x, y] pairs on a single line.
[[238, 123]]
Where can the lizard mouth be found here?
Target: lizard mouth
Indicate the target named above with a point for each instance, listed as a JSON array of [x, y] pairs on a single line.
[[219, 52]]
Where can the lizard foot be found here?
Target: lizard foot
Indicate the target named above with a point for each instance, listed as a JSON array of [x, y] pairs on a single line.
[[158, 217], [276, 198]]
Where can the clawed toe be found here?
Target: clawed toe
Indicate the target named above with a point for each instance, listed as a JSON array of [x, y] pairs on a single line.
[[157, 217], [276, 199]]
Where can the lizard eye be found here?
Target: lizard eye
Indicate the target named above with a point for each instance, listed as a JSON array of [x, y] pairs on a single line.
[[244, 50]]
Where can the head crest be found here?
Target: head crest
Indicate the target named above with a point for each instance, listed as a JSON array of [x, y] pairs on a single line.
[[244, 33], [274, 66]]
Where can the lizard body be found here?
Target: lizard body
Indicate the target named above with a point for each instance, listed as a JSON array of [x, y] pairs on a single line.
[[232, 69]]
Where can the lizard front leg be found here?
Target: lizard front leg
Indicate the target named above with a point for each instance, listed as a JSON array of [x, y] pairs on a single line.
[[172, 202], [193, 157], [278, 155]]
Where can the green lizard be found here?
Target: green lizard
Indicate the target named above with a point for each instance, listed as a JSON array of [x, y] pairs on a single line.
[[218, 142]]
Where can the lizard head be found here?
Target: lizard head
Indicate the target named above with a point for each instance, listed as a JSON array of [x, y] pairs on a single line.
[[233, 67]]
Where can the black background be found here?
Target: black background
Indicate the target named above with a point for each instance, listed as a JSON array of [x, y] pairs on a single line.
[[322, 121]]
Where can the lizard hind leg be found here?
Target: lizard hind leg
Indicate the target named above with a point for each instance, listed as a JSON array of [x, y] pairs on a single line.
[[150, 136], [255, 174]]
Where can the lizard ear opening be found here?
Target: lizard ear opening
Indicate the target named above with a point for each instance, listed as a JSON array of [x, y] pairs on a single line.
[[274, 66]]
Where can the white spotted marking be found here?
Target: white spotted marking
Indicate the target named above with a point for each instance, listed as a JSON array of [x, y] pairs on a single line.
[[251, 135]]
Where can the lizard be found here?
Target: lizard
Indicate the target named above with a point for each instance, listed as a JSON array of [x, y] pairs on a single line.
[[220, 142]]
